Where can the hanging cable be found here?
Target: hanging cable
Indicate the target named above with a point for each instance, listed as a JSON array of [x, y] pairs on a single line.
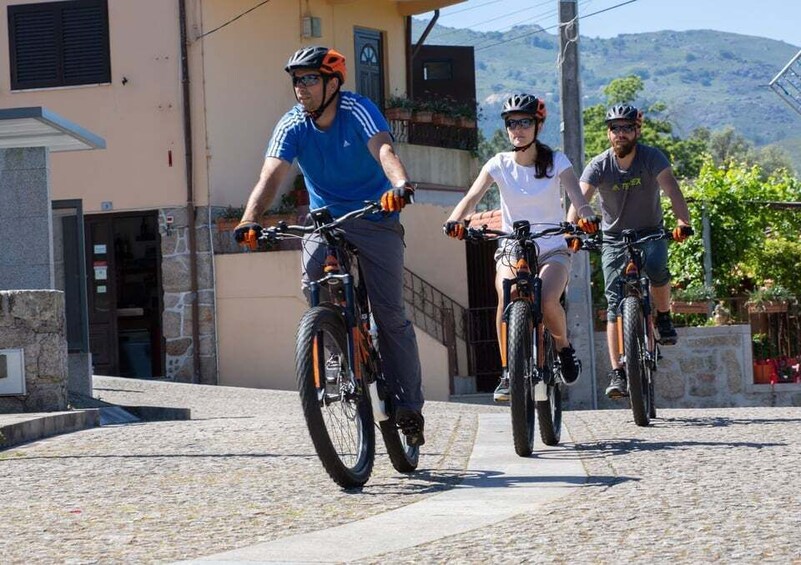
[[232, 20]]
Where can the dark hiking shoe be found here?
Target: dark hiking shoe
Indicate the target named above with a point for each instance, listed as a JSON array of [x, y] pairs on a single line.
[[617, 384], [501, 393], [571, 366], [411, 423], [664, 325]]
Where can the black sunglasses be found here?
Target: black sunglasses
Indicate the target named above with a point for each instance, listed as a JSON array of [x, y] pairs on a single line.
[[306, 80], [628, 128], [524, 123]]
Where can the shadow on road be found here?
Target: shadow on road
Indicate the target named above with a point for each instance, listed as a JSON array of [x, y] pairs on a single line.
[[718, 421]]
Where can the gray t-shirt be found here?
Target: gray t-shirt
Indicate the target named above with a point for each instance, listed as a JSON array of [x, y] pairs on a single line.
[[629, 199]]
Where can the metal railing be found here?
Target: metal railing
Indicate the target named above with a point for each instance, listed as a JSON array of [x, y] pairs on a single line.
[[434, 135], [435, 313]]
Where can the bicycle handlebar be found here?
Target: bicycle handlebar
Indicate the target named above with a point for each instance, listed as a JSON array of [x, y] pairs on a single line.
[[480, 234], [274, 233]]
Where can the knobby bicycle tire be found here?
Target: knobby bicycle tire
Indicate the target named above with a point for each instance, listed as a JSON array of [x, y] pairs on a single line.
[[331, 401], [634, 351], [519, 360], [404, 457], [549, 411]]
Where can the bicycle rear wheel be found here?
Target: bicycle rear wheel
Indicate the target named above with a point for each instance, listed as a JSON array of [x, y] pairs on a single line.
[[637, 371], [336, 407], [549, 411], [519, 363]]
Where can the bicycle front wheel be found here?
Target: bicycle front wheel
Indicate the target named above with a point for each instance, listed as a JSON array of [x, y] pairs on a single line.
[[549, 410], [336, 406], [519, 328], [637, 371]]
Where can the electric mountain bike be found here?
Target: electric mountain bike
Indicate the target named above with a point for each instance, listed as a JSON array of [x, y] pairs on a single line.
[[527, 347], [637, 344], [337, 360]]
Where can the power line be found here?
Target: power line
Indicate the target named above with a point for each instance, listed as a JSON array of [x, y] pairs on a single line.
[[439, 36], [554, 26], [450, 13], [232, 20]]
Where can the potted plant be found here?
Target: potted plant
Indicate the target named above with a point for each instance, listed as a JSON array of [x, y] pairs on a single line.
[[398, 108], [444, 111], [769, 299], [695, 299], [764, 352], [467, 114], [422, 112]]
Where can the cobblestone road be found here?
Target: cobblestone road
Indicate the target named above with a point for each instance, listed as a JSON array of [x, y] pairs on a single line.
[[700, 485]]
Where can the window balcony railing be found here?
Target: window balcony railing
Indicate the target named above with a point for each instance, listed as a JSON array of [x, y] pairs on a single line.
[[435, 135]]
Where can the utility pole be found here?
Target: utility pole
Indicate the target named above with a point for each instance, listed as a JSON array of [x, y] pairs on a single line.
[[579, 296]]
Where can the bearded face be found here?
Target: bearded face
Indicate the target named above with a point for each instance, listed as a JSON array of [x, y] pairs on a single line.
[[622, 136]]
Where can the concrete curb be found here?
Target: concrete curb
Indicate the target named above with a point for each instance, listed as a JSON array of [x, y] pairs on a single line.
[[499, 486], [24, 428]]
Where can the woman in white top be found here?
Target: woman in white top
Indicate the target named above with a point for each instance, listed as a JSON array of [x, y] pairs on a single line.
[[528, 178]]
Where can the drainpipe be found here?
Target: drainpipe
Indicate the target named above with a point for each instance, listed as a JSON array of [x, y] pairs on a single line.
[[190, 196]]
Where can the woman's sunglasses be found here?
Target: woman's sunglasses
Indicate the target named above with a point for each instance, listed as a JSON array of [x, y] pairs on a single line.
[[524, 123], [306, 80]]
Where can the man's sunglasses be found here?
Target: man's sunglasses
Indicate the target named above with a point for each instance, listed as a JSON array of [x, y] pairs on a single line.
[[628, 128], [524, 123], [306, 80]]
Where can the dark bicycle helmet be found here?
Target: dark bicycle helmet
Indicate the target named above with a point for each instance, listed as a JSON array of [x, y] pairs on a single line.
[[328, 61], [524, 104], [624, 112]]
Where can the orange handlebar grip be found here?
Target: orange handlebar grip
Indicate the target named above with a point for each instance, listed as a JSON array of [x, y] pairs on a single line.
[[251, 240]]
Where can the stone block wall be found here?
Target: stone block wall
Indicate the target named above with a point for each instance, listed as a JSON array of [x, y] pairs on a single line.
[[34, 320], [178, 297], [709, 367]]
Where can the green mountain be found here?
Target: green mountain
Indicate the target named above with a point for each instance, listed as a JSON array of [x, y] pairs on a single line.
[[706, 78]]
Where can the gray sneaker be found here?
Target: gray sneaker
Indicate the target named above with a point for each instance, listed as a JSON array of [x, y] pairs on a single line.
[[617, 384], [501, 393]]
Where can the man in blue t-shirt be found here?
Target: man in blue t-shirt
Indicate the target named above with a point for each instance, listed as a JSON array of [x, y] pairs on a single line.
[[344, 149], [628, 177]]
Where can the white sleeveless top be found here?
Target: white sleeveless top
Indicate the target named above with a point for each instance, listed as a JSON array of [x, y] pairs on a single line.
[[525, 197]]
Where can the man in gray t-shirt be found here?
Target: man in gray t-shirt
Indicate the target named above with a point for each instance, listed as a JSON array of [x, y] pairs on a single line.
[[628, 177]]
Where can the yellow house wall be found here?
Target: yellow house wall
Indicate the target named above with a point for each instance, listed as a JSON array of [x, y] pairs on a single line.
[[259, 304], [140, 121], [246, 88]]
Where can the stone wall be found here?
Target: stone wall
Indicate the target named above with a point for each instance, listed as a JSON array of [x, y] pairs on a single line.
[[34, 320], [178, 297], [708, 367]]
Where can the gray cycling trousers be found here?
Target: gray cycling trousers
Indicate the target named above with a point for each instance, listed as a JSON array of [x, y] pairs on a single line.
[[381, 247]]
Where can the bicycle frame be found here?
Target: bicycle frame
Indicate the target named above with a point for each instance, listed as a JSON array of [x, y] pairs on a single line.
[[633, 281]]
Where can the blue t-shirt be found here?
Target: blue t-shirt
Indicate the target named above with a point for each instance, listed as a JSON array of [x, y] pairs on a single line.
[[339, 170]]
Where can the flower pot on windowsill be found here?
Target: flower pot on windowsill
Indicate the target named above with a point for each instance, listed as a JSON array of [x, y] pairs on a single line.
[[681, 307], [404, 114], [468, 123], [422, 116], [443, 120], [767, 307]]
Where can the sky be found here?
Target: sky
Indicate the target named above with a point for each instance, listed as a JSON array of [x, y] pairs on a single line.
[[775, 19]]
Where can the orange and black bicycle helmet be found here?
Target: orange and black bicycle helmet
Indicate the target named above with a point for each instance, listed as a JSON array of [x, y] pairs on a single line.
[[330, 63], [624, 112]]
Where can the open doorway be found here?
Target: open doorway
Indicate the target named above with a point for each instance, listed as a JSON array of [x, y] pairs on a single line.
[[125, 294]]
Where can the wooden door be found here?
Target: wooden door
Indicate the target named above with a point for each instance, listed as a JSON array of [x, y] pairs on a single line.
[[102, 294], [369, 66]]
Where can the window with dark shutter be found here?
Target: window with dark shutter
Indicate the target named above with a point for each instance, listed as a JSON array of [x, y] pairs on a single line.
[[59, 44]]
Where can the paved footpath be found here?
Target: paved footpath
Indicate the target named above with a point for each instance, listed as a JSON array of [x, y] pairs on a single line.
[[699, 485]]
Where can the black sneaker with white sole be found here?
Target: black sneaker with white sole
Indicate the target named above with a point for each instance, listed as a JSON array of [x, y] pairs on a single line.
[[571, 365], [501, 393], [664, 325], [411, 423]]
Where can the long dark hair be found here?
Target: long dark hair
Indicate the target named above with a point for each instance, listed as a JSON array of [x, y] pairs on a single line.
[[543, 164]]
